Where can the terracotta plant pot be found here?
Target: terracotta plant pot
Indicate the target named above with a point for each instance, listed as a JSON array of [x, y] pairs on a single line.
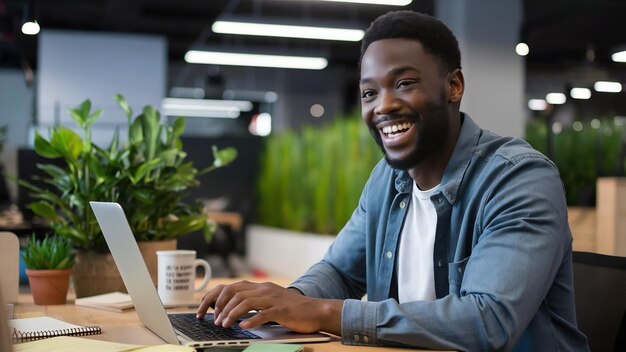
[[96, 273], [49, 286]]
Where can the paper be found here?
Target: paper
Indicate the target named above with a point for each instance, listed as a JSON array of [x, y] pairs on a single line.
[[28, 329], [273, 347], [114, 301], [27, 325], [76, 344]]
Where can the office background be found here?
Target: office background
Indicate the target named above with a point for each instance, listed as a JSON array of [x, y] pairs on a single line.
[[95, 49]]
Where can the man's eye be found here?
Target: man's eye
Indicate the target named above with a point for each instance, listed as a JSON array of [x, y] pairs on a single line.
[[367, 94], [404, 83]]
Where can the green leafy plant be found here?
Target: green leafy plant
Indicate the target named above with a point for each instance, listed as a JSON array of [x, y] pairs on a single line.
[[148, 175], [47, 254], [311, 180], [582, 155]]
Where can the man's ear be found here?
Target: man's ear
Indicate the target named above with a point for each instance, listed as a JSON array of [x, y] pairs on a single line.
[[456, 86]]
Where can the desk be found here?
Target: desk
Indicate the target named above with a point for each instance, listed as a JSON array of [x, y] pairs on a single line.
[[126, 327]]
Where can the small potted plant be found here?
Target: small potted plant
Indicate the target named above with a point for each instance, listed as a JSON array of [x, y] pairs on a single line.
[[48, 267]]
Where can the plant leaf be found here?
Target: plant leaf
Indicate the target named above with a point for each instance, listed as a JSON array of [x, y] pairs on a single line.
[[44, 148], [123, 103], [44, 209], [224, 156], [81, 112], [93, 117], [67, 142]]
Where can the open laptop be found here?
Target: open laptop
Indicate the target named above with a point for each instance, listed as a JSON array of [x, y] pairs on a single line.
[[182, 328]]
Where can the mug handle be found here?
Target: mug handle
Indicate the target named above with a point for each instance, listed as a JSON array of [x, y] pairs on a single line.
[[207, 273]]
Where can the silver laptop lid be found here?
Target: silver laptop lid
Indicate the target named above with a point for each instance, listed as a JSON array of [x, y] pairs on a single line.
[[123, 247]]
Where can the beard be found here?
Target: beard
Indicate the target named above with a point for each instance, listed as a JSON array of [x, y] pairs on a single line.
[[432, 134]]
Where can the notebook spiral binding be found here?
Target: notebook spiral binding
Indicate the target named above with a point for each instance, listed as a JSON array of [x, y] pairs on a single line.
[[36, 335]]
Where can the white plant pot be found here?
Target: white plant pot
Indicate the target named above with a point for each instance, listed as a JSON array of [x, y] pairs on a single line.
[[283, 253]]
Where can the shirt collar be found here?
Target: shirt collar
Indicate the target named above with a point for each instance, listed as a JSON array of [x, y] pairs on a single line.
[[458, 164]]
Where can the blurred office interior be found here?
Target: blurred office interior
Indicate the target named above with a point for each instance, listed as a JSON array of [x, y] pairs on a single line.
[[544, 68]]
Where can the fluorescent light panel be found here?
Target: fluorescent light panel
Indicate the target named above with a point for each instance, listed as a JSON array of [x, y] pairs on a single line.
[[287, 31], [580, 93], [204, 107], [375, 2], [242, 105], [257, 60], [556, 98], [607, 87], [619, 56], [537, 104]]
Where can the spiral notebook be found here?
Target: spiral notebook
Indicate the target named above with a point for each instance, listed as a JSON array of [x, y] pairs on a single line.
[[28, 329]]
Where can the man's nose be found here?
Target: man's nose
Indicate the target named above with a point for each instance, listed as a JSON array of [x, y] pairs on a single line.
[[387, 103]]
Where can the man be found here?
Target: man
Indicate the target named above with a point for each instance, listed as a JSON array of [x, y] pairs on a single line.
[[460, 238]]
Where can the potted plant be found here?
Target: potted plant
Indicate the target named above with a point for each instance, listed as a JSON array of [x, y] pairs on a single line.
[[48, 267], [147, 174]]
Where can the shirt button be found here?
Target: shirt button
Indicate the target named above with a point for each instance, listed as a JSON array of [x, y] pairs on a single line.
[[439, 264], [389, 254], [460, 269], [440, 200], [356, 337], [365, 339], [402, 205]]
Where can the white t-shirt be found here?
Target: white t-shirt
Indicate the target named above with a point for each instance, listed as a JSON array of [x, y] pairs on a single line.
[[415, 272]]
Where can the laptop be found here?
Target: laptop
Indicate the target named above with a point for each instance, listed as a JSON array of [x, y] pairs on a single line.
[[183, 328]]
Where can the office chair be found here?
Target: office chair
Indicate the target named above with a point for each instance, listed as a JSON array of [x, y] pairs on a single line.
[[600, 293]]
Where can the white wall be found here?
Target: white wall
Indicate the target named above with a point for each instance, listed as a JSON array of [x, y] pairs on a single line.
[[73, 66], [16, 111]]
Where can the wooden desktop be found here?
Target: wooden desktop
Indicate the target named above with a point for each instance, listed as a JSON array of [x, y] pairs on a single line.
[[126, 327]]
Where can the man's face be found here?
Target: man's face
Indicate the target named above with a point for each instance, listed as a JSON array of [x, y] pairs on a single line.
[[403, 101]]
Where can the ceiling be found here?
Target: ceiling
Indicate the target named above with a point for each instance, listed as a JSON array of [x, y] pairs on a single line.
[[560, 33]]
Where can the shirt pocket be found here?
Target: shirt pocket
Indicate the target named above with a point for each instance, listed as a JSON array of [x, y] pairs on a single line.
[[456, 271]]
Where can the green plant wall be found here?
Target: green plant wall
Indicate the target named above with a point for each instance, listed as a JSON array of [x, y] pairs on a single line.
[[311, 180], [581, 155]]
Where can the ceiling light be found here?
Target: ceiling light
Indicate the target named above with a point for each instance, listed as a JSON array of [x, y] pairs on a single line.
[[375, 2], [580, 93], [522, 49], [30, 28], [261, 124], [287, 31], [204, 107], [257, 60], [556, 98], [607, 87], [537, 104], [619, 56]]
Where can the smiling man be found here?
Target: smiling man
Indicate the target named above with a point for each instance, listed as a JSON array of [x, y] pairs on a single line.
[[460, 238]]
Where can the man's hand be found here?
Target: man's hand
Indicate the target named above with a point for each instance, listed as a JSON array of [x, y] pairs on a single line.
[[274, 304]]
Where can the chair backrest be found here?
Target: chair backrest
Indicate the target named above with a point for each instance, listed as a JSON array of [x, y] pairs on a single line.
[[600, 292]]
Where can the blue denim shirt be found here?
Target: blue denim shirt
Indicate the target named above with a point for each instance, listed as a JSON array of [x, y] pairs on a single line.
[[502, 256]]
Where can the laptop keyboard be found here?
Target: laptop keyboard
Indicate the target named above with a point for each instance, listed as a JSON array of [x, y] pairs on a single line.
[[206, 330]]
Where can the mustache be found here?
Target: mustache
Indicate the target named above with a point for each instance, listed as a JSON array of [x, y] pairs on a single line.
[[391, 117]]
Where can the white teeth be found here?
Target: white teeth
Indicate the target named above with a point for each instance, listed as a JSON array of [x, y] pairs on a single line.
[[397, 127]]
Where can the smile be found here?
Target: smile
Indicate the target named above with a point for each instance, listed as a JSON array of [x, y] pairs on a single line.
[[396, 129]]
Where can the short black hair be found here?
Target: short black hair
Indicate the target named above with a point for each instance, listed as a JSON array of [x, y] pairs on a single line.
[[436, 38]]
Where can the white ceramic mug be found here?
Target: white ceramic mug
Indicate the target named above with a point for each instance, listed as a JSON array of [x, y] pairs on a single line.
[[177, 274]]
